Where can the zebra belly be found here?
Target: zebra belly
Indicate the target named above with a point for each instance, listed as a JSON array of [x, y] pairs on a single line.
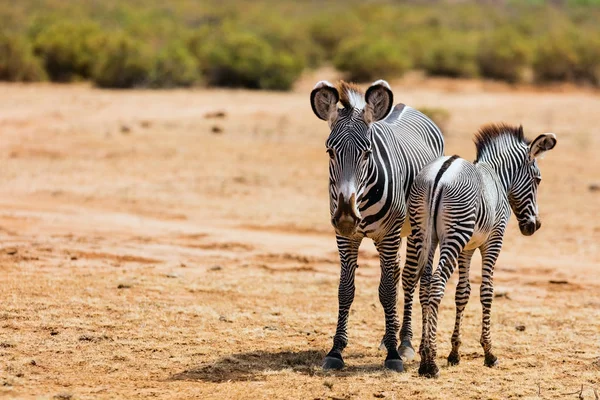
[[478, 238]]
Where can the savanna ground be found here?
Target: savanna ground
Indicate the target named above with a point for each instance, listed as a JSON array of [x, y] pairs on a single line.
[[148, 249]]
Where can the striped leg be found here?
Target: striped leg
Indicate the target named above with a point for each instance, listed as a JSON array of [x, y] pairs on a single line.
[[409, 283], [437, 287], [348, 249], [424, 286], [489, 255], [388, 296], [463, 291]]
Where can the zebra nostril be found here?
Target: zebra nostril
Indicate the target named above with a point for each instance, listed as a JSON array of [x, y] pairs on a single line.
[[538, 224]]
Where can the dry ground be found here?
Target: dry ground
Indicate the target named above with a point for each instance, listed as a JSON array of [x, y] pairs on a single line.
[[143, 255]]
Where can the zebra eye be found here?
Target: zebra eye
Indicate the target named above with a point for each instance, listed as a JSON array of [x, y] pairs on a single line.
[[367, 154], [331, 153], [538, 180]]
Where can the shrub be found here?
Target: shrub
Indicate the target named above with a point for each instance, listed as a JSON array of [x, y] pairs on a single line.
[[367, 59], [124, 63], [68, 49], [556, 58], [242, 59], [587, 46], [175, 66], [451, 55], [503, 55], [17, 61], [328, 31]]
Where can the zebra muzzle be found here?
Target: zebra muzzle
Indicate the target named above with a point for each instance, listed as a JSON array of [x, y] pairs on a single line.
[[347, 216], [530, 226]]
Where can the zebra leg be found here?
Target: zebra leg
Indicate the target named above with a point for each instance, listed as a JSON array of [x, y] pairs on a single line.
[[463, 291], [424, 286], [448, 257], [348, 249], [409, 283], [388, 296], [489, 255]]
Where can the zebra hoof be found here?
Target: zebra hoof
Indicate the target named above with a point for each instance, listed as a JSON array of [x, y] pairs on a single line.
[[394, 365], [429, 371], [407, 353], [453, 359], [491, 360], [333, 363]]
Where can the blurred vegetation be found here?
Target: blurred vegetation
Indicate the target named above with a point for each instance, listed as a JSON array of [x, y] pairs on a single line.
[[268, 44]]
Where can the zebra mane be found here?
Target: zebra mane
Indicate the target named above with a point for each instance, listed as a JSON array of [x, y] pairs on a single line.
[[351, 96], [488, 134]]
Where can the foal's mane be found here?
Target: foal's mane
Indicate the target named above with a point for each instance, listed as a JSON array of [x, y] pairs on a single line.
[[488, 134]]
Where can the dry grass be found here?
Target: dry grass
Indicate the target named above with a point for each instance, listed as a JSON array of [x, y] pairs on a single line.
[[164, 260]]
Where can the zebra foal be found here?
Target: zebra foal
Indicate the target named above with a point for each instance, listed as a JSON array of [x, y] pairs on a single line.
[[375, 151], [464, 206]]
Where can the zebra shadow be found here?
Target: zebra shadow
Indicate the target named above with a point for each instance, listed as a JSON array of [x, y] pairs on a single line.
[[254, 365]]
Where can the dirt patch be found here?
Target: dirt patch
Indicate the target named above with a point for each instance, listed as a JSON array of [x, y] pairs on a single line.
[[195, 265]]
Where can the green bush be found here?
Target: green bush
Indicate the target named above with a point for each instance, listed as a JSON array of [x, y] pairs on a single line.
[[587, 46], [242, 59], [17, 61], [366, 59], [451, 55], [568, 55], [556, 58], [503, 55], [68, 49], [124, 63], [328, 31], [175, 66]]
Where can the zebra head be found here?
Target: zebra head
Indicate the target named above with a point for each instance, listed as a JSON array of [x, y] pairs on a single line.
[[523, 192], [349, 145]]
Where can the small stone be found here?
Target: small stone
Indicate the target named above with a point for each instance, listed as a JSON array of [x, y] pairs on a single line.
[[125, 129], [73, 258], [270, 328], [172, 275], [124, 286], [6, 345], [223, 318], [216, 129], [32, 362], [379, 395], [11, 251], [558, 282], [63, 396], [53, 333], [19, 374], [520, 328], [215, 268], [594, 187], [215, 114]]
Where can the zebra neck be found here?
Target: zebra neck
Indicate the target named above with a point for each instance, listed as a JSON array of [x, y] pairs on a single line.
[[501, 169]]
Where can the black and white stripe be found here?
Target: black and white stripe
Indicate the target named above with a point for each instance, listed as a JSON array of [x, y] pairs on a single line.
[[465, 206], [375, 153]]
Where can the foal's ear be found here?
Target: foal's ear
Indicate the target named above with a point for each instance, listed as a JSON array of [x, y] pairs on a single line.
[[541, 144], [323, 99], [379, 98]]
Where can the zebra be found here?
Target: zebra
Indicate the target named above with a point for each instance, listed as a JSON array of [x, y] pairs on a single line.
[[375, 152], [465, 206]]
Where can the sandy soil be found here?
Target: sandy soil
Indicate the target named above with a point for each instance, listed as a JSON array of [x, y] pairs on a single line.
[[144, 255]]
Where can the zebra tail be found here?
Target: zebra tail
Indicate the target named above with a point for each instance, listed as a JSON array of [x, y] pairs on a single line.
[[429, 231]]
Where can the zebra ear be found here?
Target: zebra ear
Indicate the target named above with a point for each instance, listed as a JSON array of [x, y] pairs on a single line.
[[323, 99], [541, 144], [379, 98]]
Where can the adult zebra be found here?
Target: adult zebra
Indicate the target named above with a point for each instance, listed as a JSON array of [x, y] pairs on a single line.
[[465, 206], [375, 153]]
